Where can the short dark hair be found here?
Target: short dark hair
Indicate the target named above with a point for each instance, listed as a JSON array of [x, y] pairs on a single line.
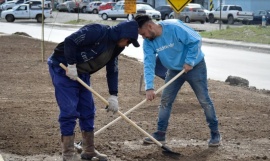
[[142, 19]]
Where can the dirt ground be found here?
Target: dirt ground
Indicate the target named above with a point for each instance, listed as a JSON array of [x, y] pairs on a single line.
[[29, 130]]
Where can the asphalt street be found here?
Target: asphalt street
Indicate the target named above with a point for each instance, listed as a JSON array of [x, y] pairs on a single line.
[[60, 17]]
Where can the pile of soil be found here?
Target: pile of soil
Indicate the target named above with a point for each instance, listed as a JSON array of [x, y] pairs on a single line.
[[30, 130]]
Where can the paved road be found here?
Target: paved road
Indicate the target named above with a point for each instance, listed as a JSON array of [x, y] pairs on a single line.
[[61, 17]]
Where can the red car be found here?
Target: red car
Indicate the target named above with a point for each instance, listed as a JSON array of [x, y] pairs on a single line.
[[107, 5]]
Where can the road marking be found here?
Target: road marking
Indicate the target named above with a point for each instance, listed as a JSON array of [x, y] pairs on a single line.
[[1, 158]]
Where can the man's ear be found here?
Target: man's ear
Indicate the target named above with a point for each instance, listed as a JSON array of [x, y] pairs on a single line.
[[150, 25]]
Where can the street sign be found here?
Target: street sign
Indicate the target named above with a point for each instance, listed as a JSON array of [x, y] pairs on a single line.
[[130, 6], [178, 5], [211, 5]]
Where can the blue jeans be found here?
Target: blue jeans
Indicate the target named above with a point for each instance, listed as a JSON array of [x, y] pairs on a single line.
[[74, 101], [197, 78]]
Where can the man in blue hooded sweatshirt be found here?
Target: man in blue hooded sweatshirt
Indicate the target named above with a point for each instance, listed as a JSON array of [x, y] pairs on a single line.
[[178, 47], [85, 52]]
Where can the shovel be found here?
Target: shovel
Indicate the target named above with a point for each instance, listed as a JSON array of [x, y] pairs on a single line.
[[165, 149]]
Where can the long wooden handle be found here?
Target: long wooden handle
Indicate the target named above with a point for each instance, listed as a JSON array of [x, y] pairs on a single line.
[[87, 86], [120, 113], [138, 105], [139, 128]]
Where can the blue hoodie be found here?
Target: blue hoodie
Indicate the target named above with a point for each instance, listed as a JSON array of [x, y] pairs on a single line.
[[178, 44]]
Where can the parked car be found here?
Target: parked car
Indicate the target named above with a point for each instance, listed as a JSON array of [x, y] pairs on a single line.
[[257, 17], [93, 7], [191, 14], [206, 11], [165, 11], [4, 1], [23, 11], [38, 4], [7, 5], [20, 2], [83, 4], [34, 3], [68, 6], [123, 2], [230, 14], [118, 11], [108, 5], [148, 10]]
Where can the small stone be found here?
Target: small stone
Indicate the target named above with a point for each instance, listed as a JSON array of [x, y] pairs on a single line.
[[264, 157], [238, 81]]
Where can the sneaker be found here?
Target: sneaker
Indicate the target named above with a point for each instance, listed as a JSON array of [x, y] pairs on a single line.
[[159, 136], [215, 139]]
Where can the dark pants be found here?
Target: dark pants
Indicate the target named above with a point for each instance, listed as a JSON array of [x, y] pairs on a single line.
[[74, 101], [160, 70]]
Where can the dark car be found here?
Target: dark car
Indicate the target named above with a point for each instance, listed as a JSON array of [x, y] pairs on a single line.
[[165, 11], [257, 17]]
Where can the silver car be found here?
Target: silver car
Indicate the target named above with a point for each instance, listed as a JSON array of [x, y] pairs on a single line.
[[7, 5], [68, 6], [191, 14], [118, 11], [92, 7]]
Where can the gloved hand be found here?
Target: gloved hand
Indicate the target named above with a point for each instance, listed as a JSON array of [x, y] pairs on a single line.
[[113, 104], [72, 71]]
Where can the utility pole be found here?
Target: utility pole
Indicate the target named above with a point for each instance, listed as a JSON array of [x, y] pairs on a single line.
[[42, 34], [220, 14], [77, 3], [176, 15]]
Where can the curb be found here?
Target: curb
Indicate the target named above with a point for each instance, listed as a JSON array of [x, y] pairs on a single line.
[[248, 46], [64, 25]]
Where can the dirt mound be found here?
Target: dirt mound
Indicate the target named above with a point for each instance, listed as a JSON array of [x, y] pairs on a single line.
[[29, 112]]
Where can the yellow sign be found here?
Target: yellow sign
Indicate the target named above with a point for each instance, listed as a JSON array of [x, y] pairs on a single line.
[[178, 5], [130, 6]]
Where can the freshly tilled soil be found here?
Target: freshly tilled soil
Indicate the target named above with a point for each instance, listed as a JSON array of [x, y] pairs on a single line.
[[30, 130]]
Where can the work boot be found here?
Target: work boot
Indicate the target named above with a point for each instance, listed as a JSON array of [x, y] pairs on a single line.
[[215, 139], [68, 151], [88, 147], [158, 135]]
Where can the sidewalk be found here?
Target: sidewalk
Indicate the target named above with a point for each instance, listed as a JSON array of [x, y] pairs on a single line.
[[248, 46]]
